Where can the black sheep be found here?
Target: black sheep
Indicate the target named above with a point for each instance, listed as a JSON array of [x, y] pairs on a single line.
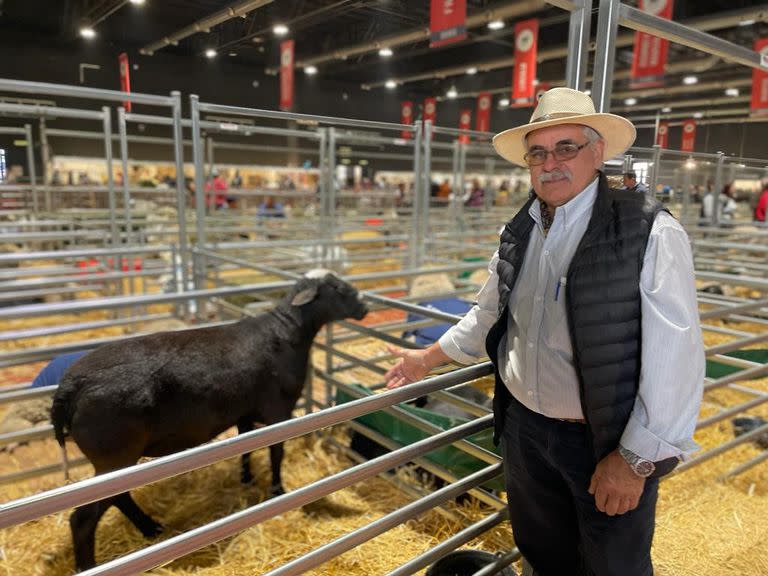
[[165, 392]]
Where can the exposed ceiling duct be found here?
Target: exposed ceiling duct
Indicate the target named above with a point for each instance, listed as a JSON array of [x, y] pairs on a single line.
[[236, 10], [704, 24]]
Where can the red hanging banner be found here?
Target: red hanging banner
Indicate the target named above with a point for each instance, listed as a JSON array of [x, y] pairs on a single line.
[[526, 46], [759, 103], [447, 22], [650, 53], [125, 78], [483, 119], [286, 75], [406, 117], [662, 136], [465, 123], [689, 135], [430, 110]]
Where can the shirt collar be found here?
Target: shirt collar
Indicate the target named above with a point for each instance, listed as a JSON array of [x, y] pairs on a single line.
[[571, 211]]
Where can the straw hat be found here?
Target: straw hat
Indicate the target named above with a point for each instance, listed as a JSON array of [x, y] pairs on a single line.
[[566, 106]]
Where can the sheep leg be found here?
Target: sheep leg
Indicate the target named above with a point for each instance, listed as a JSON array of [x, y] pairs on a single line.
[[146, 525], [276, 459], [83, 523], [245, 459]]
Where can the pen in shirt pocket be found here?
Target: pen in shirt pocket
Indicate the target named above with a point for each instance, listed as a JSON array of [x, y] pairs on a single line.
[[560, 284]]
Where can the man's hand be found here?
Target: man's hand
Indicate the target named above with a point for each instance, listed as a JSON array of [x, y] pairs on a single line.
[[617, 489], [411, 367]]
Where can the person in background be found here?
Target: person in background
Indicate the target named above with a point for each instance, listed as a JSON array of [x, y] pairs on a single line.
[[728, 202], [270, 208], [762, 202], [476, 196], [591, 321], [215, 190], [444, 191], [631, 183]]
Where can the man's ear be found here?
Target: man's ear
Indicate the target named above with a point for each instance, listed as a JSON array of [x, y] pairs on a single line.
[[306, 295], [598, 148]]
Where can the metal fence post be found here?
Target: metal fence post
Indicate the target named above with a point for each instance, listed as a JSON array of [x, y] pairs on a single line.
[[578, 45], [605, 54], [181, 189], [31, 166]]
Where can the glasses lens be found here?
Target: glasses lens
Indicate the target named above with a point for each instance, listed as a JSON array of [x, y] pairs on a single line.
[[565, 151], [536, 157]]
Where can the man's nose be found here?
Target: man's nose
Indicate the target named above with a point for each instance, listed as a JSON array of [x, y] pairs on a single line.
[[549, 162]]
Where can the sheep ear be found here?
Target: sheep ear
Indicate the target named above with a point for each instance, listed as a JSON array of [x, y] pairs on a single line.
[[304, 296]]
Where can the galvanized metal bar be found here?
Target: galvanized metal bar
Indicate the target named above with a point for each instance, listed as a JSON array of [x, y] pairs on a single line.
[[123, 135], [80, 253], [31, 167], [605, 54], [21, 86], [197, 152], [733, 411], [747, 374], [112, 483], [307, 118], [727, 310], [10, 335], [578, 45], [413, 241], [751, 463], [27, 394], [107, 126], [181, 191], [381, 525], [449, 545], [423, 232], [16, 477], [680, 34], [26, 435], [51, 111], [722, 448]]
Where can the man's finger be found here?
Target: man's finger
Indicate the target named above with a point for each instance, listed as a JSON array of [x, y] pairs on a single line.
[[592, 484], [395, 351]]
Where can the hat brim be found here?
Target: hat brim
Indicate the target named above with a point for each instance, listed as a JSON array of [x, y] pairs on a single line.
[[618, 133]]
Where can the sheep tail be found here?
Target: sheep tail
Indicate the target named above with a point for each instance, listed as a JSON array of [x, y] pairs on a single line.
[[61, 418]]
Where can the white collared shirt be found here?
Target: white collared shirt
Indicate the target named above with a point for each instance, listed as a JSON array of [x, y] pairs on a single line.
[[537, 362]]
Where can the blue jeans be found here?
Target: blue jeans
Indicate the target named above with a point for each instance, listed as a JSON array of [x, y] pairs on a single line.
[[548, 465]]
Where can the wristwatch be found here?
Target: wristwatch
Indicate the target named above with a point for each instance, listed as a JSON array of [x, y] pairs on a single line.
[[640, 466]]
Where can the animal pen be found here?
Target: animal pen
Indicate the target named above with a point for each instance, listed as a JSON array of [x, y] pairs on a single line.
[[87, 264]]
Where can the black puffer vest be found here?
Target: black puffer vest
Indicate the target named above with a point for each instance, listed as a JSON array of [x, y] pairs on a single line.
[[603, 304]]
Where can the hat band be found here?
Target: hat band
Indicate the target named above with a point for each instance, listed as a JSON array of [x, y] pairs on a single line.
[[555, 115]]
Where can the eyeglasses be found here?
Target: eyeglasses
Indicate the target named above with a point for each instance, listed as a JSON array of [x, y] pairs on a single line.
[[560, 153]]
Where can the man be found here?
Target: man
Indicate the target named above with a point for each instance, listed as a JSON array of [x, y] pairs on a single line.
[[631, 183], [590, 319], [762, 203]]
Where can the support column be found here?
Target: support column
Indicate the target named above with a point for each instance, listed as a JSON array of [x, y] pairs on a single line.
[[605, 54]]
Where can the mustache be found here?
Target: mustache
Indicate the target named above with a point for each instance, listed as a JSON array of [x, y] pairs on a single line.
[[555, 174]]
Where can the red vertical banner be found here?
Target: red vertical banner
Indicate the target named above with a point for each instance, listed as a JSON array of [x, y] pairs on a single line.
[[650, 54], [125, 78], [430, 110], [662, 136], [406, 117], [526, 47], [286, 75], [483, 118], [465, 123], [689, 135], [759, 102], [447, 22]]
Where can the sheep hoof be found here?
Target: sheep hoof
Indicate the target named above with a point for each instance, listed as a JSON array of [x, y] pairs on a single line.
[[276, 491]]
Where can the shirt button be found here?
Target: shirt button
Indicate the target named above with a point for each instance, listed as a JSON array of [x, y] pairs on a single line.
[[530, 392], [530, 344], [546, 252], [539, 298]]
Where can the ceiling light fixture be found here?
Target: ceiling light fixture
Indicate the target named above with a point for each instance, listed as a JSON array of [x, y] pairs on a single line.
[[630, 101], [385, 52], [746, 23], [310, 70], [233, 54], [504, 102], [731, 91], [452, 93], [137, 2], [280, 29], [390, 84], [472, 70], [87, 32], [496, 24], [210, 53], [666, 109], [698, 115], [690, 80]]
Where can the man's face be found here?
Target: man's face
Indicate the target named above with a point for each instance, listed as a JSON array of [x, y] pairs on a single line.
[[629, 182], [557, 182]]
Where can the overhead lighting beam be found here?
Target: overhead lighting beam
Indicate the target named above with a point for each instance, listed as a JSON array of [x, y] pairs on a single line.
[[236, 10]]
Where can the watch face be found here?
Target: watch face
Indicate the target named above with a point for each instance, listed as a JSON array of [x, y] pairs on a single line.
[[644, 468]]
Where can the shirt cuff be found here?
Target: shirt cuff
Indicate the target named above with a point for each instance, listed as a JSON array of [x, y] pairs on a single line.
[[453, 351], [641, 441]]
